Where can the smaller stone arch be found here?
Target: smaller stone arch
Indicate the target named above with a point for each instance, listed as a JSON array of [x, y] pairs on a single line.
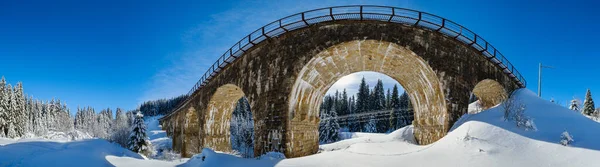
[[490, 93], [218, 116]]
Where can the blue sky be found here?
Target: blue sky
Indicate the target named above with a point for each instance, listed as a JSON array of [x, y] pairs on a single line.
[[118, 54]]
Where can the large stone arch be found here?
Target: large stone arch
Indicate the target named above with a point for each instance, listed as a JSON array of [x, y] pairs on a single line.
[[323, 70]]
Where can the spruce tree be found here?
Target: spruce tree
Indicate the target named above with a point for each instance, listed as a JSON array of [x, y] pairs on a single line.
[[588, 104], [138, 141], [388, 100], [394, 105], [344, 104], [362, 97], [3, 107], [12, 116], [19, 110], [406, 114], [575, 103], [329, 127]]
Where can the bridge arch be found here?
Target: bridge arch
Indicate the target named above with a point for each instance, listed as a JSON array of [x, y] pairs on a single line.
[[490, 93], [218, 117], [323, 70], [267, 63]]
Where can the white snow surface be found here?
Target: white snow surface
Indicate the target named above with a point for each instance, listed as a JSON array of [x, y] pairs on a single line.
[[482, 139], [157, 136], [89, 152]]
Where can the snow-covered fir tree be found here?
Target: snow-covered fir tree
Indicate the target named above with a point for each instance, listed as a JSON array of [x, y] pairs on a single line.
[[575, 105], [138, 140], [19, 112], [328, 128], [588, 104], [395, 106], [120, 128], [12, 115], [3, 108], [566, 138]]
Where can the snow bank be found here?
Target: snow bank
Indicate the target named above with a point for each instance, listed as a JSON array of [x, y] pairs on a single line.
[[52, 136], [404, 135], [209, 157], [551, 121], [75, 153], [350, 135]]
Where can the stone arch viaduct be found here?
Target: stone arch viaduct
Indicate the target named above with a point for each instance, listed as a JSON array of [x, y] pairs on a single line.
[[285, 68]]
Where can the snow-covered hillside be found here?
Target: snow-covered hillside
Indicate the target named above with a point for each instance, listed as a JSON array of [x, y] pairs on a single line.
[[482, 139]]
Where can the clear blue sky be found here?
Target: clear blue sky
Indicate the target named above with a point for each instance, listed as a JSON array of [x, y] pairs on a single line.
[[118, 54]]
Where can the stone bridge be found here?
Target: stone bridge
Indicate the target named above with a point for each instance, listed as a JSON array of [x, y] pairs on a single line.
[[285, 68]]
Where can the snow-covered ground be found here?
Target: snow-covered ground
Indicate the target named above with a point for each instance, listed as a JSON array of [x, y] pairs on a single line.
[[160, 142], [158, 137], [49, 152], [482, 139]]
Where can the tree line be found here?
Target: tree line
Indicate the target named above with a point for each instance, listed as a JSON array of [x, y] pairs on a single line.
[[161, 106], [25, 116], [366, 100]]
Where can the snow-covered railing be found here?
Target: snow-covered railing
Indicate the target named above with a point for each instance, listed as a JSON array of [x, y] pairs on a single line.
[[360, 12]]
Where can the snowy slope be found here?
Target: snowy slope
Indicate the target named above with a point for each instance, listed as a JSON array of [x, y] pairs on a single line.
[[157, 136]]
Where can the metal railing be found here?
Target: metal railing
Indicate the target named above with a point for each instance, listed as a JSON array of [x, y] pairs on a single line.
[[361, 12]]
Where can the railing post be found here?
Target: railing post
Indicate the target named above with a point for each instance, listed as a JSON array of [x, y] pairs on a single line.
[[331, 13], [250, 39], [486, 47], [417, 23], [304, 20], [392, 16], [361, 12], [263, 33], [280, 26], [443, 24], [459, 33], [474, 40]]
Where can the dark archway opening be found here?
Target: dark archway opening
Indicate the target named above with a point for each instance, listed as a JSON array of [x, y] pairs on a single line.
[[242, 129], [368, 102]]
